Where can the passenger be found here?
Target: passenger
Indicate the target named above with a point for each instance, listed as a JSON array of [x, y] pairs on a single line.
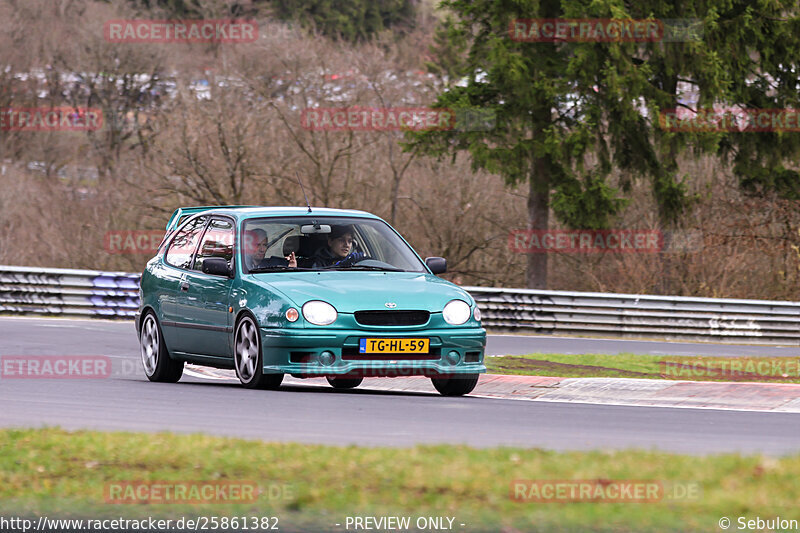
[[339, 249], [256, 242]]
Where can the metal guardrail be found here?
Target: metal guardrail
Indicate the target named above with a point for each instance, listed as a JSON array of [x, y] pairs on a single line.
[[91, 293], [56, 291], [632, 315]]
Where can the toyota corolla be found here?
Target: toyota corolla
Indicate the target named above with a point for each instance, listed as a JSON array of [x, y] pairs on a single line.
[[269, 291]]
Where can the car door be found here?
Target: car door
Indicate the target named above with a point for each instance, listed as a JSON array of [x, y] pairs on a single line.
[[203, 299], [177, 260]]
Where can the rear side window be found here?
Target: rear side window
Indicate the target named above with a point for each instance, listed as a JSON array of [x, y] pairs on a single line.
[[182, 247], [217, 242]]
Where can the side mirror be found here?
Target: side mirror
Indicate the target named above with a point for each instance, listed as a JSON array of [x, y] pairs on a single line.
[[216, 266], [438, 265]]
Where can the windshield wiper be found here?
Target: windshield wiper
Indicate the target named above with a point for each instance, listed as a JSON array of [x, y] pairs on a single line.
[[365, 267], [275, 267]]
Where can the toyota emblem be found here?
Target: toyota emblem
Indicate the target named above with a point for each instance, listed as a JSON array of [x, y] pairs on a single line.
[[390, 305]]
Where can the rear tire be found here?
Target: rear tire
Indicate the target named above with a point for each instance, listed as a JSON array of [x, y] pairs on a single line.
[[248, 359], [344, 383], [457, 385], [158, 365]]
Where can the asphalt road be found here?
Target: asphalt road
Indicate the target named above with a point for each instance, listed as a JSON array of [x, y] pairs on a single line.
[[127, 401], [22, 336]]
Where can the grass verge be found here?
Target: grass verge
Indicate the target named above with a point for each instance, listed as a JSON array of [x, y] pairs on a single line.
[[628, 365], [54, 473]]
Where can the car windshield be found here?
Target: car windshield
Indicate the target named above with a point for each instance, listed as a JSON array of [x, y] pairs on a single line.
[[325, 243]]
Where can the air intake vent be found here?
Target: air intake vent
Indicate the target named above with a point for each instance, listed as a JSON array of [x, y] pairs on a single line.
[[300, 357], [473, 357], [392, 318]]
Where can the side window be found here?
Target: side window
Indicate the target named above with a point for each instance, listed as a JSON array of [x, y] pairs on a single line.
[[183, 245], [378, 246], [217, 242]]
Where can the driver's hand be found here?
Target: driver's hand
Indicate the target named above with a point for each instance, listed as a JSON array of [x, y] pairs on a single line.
[[292, 260], [351, 259]]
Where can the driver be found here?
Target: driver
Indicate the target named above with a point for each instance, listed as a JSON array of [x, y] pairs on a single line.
[[339, 249], [256, 243]]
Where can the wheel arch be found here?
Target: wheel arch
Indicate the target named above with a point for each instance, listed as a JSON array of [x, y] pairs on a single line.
[[147, 309], [243, 312]]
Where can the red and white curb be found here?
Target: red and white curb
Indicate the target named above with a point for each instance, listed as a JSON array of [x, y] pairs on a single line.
[[773, 397]]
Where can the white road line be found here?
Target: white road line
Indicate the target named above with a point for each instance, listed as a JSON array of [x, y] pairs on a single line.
[[199, 375]]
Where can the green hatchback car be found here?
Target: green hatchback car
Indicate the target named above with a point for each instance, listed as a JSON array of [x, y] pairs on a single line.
[[269, 291]]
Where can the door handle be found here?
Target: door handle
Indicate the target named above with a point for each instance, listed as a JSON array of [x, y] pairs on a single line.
[[184, 286]]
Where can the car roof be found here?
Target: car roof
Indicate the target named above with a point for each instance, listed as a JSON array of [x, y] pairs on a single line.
[[244, 212], [258, 212]]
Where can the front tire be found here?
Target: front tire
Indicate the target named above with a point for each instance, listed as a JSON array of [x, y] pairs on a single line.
[[344, 383], [457, 385], [248, 357], [158, 365]]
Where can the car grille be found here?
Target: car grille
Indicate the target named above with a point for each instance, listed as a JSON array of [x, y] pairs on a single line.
[[392, 318]]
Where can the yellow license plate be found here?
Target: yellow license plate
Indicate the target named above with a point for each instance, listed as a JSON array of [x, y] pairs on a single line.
[[394, 346]]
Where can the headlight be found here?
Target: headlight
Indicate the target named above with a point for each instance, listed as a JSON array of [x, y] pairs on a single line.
[[456, 312], [476, 314], [319, 313]]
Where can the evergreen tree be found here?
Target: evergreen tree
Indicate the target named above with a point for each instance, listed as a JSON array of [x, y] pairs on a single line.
[[568, 113]]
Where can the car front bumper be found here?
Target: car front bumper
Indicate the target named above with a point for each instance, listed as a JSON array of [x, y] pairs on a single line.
[[298, 352]]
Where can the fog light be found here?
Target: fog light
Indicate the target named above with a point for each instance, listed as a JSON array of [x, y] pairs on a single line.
[[327, 358], [453, 357]]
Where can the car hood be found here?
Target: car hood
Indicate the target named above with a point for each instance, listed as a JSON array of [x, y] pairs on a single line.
[[354, 291]]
